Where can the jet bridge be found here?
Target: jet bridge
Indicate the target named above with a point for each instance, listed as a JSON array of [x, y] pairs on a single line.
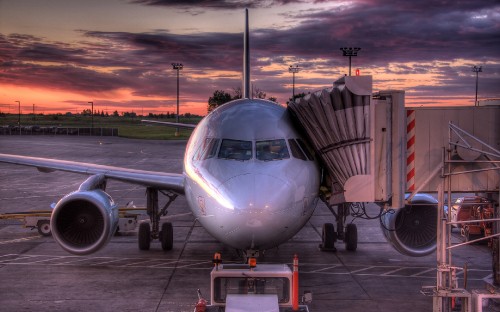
[[360, 139], [361, 143]]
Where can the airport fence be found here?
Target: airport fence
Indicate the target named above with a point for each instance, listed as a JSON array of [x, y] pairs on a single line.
[[36, 130]]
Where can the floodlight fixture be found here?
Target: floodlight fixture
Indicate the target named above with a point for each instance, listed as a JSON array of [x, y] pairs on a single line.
[[293, 69], [350, 52], [477, 70], [177, 67]]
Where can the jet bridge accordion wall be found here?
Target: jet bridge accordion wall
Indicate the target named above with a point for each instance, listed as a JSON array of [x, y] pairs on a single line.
[[340, 125]]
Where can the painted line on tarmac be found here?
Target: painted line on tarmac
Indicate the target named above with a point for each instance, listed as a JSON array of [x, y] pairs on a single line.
[[196, 264], [17, 240]]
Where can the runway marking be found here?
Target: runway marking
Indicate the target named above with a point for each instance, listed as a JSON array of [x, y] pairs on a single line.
[[423, 272], [17, 240], [197, 264], [324, 269], [394, 271], [361, 270]]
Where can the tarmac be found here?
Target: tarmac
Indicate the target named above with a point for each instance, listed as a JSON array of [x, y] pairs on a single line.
[[37, 275]]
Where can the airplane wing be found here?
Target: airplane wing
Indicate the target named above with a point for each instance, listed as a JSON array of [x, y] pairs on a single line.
[[165, 181], [171, 124]]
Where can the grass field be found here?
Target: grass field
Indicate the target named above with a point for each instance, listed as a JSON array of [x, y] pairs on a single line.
[[128, 127]]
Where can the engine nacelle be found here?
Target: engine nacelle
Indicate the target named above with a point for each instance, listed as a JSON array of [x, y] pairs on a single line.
[[84, 221], [412, 229]]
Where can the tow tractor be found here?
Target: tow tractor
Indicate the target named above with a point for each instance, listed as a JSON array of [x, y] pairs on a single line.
[[40, 219], [252, 287]]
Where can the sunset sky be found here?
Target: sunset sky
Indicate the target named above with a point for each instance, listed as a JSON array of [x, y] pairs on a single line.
[[61, 54]]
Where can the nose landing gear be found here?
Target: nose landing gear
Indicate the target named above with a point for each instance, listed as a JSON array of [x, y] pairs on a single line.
[[349, 235]]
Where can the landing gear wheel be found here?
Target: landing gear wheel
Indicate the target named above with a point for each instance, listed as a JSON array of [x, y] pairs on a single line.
[[167, 236], [144, 236], [43, 227], [328, 238], [351, 237]]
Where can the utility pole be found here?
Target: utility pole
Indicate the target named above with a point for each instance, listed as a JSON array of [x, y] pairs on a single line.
[[177, 67], [350, 52], [19, 120], [293, 69], [477, 70], [92, 114]]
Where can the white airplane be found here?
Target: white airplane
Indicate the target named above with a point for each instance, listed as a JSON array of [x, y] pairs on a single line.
[[248, 177]]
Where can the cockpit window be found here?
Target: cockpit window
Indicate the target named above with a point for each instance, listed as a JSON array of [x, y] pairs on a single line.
[[207, 150], [306, 149], [235, 149], [296, 151], [271, 150]]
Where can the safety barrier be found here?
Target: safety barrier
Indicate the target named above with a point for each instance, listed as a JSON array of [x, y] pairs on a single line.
[[37, 130]]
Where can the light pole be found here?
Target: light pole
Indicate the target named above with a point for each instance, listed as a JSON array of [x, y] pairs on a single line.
[[19, 120], [477, 70], [92, 114], [293, 69], [33, 113], [177, 67], [350, 52]]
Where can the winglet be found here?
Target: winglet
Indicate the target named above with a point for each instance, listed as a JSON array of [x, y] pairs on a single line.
[[246, 59]]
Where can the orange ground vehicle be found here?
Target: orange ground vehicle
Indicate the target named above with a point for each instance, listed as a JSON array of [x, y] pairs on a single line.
[[473, 208]]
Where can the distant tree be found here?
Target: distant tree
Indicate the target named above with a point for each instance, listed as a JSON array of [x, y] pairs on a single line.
[[237, 93], [115, 114], [297, 96], [86, 112], [129, 114], [219, 98], [273, 99], [259, 94]]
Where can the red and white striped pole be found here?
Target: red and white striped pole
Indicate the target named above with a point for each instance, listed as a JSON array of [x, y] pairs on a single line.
[[295, 283], [410, 150]]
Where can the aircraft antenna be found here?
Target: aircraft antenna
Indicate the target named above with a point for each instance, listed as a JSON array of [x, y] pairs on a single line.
[[246, 59]]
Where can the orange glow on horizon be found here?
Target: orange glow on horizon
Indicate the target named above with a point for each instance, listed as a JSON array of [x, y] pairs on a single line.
[[60, 101]]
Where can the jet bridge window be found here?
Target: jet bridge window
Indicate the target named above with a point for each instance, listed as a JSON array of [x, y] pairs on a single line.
[[271, 150], [235, 149]]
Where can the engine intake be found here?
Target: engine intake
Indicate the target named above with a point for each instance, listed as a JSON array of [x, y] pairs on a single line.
[[84, 221], [412, 229]]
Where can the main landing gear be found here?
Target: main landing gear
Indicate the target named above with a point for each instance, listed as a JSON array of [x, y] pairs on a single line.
[[151, 230], [349, 235]]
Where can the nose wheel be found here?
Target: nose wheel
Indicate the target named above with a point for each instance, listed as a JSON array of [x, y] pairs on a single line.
[[328, 238], [349, 235]]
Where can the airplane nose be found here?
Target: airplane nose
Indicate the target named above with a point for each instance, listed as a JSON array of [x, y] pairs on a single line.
[[256, 193]]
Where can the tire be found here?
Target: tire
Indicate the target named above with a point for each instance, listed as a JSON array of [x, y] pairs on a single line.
[[351, 237], [144, 236], [328, 236], [43, 227], [167, 236]]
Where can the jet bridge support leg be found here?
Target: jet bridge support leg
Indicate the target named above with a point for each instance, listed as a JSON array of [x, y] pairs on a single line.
[[151, 230]]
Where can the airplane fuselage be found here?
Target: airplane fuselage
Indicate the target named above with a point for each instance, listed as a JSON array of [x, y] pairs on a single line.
[[249, 178]]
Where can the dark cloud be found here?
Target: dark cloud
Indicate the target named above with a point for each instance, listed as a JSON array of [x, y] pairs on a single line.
[[403, 38], [217, 4]]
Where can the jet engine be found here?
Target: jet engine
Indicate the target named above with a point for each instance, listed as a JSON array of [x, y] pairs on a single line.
[[83, 221], [412, 229]]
